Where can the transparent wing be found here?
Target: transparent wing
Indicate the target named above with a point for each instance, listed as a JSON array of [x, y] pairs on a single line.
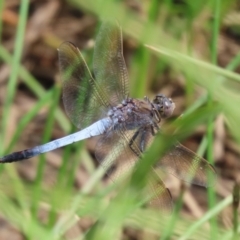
[[115, 155], [108, 63], [179, 161], [83, 101], [186, 165], [161, 197]]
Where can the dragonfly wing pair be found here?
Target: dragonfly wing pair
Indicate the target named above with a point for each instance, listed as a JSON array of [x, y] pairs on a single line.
[[86, 99], [118, 158]]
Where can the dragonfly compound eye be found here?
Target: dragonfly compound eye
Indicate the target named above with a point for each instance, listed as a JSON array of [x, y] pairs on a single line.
[[164, 105], [167, 108]]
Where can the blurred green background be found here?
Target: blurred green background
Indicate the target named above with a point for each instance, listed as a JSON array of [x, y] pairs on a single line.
[[188, 50]]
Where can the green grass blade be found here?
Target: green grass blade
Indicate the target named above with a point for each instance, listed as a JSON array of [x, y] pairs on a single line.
[[18, 46], [210, 214], [210, 126]]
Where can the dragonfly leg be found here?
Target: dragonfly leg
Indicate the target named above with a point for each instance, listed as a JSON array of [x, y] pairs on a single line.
[[155, 125], [131, 142], [142, 134], [153, 129], [140, 138], [143, 140]]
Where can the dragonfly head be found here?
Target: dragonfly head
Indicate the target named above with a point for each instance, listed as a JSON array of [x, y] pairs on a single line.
[[163, 105]]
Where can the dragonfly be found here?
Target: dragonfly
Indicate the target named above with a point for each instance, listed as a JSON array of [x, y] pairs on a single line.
[[100, 105]]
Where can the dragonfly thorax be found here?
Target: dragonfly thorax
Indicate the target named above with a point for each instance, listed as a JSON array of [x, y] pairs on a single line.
[[131, 114], [121, 112]]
